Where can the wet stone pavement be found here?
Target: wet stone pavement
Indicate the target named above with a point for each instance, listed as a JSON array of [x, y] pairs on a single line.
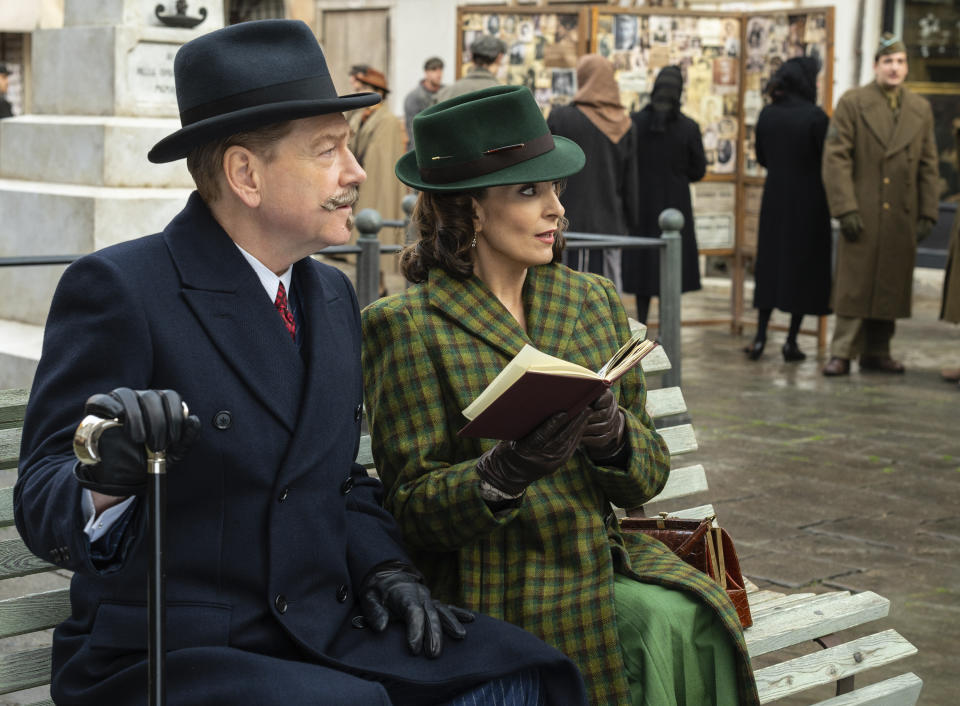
[[849, 483]]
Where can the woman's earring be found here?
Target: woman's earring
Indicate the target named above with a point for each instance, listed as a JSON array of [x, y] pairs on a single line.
[[473, 243]]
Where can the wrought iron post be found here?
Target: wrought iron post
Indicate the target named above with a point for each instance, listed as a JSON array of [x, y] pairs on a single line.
[[368, 223], [671, 223]]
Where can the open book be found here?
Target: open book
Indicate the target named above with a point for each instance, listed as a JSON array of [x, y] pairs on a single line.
[[534, 386]]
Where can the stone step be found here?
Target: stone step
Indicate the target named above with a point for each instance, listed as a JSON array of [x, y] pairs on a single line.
[[88, 150], [66, 219]]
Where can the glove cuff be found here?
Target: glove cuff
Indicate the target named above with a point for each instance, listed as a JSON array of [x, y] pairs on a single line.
[[83, 475]]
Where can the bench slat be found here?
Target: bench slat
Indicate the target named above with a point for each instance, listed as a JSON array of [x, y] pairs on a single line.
[[813, 619], [24, 670], [898, 691], [827, 666], [682, 482], [36, 611], [680, 439], [13, 405], [665, 402], [9, 448], [758, 598], [791, 600], [6, 506], [17, 560]]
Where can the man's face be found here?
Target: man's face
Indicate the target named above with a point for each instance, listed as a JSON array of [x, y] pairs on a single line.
[[4, 83], [891, 69], [356, 85], [433, 78], [309, 187]]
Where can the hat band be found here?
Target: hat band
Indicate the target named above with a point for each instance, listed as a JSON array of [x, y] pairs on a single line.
[[491, 161], [311, 88]]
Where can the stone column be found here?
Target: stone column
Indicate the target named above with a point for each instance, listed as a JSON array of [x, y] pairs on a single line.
[[74, 175]]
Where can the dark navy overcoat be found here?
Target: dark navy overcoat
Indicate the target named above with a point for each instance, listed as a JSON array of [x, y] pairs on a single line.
[[271, 524]]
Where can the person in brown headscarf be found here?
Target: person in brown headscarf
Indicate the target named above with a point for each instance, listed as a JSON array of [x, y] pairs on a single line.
[[669, 157], [602, 197]]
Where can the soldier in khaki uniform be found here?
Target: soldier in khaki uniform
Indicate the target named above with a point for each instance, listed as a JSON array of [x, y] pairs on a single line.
[[881, 180], [486, 53]]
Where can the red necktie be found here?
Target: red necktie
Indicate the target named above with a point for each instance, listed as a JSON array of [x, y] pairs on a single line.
[[281, 303]]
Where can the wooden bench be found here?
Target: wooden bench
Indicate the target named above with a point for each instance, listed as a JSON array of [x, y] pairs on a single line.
[[781, 620]]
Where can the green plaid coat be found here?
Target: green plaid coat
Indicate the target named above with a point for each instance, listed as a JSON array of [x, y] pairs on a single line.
[[547, 566]]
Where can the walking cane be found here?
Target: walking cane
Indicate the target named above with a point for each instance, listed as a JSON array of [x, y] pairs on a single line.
[[85, 446]]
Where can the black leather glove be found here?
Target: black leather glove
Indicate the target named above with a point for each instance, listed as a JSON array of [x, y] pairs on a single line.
[[152, 418], [924, 228], [603, 436], [398, 590], [511, 466], [851, 225]]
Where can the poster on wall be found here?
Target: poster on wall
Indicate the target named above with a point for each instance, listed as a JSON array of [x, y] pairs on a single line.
[[542, 50], [714, 208], [771, 39], [707, 50]]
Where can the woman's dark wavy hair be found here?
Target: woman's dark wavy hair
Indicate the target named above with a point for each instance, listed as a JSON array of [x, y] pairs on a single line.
[[444, 223]]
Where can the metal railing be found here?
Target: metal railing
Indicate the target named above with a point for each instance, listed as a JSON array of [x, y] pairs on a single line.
[[368, 249]]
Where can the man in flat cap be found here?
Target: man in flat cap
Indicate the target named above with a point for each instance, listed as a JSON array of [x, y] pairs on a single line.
[[881, 180], [286, 581], [486, 53], [6, 110]]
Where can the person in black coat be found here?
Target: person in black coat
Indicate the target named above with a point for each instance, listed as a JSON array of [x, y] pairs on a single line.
[[670, 157], [602, 198], [286, 580], [792, 271]]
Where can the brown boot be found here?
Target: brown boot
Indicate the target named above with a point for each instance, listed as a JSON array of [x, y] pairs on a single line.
[[881, 364], [950, 374], [836, 366]]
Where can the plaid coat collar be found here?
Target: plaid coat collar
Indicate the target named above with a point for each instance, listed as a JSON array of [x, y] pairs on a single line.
[[550, 322]]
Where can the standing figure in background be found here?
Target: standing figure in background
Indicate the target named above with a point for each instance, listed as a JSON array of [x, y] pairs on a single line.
[[6, 110], [882, 182], [423, 95], [950, 309], [378, 143], [486, 53], [794, 239], [670, 157], [600, 197]]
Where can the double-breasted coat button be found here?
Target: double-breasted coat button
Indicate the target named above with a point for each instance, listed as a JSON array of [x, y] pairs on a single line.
[[357, 412], [280, 603], [283, 494], [341, 594], [346, 486], [223, 419], [359, 622]]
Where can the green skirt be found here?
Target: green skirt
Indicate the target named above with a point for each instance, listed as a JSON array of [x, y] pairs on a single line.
[[676, 650]]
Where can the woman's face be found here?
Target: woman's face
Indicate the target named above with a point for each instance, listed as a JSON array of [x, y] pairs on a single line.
[[517, 225]]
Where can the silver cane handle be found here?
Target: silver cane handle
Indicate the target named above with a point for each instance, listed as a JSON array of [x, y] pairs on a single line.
[[86, 438]]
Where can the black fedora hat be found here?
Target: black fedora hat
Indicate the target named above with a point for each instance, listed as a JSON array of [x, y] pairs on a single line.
[[246, 76]]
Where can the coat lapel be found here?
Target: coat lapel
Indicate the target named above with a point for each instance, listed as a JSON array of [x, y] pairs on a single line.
[[227, 298], [910, 122], [551, 304], [877, 115]]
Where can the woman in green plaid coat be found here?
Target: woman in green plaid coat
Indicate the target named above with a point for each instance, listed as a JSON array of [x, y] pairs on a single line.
[[524, 530]]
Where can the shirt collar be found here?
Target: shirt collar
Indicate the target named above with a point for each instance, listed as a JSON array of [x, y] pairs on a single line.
[[270, 281]]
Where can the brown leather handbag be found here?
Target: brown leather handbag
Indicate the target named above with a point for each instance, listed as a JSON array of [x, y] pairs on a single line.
[[703, 546]]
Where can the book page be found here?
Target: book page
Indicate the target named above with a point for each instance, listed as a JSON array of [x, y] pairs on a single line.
[[629, 355]]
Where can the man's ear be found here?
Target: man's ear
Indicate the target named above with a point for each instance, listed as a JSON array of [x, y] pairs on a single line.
[[241, 171]]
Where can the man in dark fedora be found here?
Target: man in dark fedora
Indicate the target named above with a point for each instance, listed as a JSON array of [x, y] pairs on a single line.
[[286, 581]]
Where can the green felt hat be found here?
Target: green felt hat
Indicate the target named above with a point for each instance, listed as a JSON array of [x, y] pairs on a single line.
[[491, 137]]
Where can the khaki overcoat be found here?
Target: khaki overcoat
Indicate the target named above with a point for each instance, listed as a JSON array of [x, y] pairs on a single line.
[[378, 144], [547, 566], [887, 171], [950, 309]]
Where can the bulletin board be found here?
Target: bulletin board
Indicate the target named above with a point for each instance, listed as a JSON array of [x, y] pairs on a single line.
[[542, 46], [727, 59]]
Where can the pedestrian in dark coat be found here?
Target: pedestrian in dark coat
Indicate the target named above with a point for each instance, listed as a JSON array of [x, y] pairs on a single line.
[[602, 198], [670, 157], [286, 580], [794, 240], [950, 306]]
